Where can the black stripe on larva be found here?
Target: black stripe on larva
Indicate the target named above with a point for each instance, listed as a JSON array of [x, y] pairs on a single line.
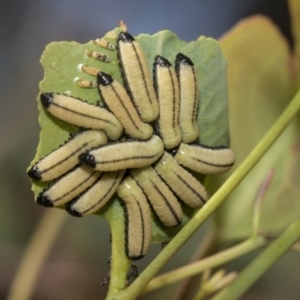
[[104, 79], [128, 38], [44, 200], [87, 159], [46, 99], [211, 164], [115, 160], [73, 111], [108, 191], [209, 147], [178, 220], [125, 37], [55, 200], [189, 186]]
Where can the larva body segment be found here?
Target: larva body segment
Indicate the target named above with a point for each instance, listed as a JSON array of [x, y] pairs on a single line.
[[65, 157], [167, 91], [137, 77], [181, 182], [116, 98], [125, 155], [138, 219], [204, 159], [81, 113], [67, 187], [189, 98], [97, 195], [163, 202]]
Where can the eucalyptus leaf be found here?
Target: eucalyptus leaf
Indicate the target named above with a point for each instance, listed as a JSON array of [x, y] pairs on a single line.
[[62, 60]]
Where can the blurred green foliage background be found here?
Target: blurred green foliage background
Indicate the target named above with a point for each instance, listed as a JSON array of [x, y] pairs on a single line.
[[78, 261]]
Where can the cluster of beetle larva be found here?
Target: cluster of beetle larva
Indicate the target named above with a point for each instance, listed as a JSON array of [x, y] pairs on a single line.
[[147, 171]]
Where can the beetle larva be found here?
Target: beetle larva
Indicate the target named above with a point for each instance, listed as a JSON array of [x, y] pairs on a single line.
[[181, 182], [163, 202], [67, 187], [116, 98], [137, 77], [81, 113], [97, 195], [138, 219], [189, 98], [167, 90], [204, 159], [125, 155], [65, 157]]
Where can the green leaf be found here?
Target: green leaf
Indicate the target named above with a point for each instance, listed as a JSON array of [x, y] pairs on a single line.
[[261, 83], [61, 63]]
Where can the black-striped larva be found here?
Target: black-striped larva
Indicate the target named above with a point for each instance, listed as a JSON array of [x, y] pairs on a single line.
[[116, 98], [83, 114], [104, 44], [137, 77], [67, 187], [65, 157], [189, 98], [181, 182], [126, 155], [167, 91], [163, 202], [204, 159], [97, 195], [138, 219], [99, 56]]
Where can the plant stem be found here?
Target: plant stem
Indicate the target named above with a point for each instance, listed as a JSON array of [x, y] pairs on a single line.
[[120, 264], [206, 263], [163, 257], [35, 254], [262, 263]]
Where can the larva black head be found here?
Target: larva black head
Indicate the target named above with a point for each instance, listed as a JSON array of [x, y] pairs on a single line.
[[104, 79], [72, 211], [87, 159], [44, 200], [34, 173], [182, 59], [125, 37], [161, 61], [46, 99]]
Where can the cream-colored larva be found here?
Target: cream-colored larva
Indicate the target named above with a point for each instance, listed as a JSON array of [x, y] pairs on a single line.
[[189, 98], [167, 90], [181, 182], [81, 113], [65, 157], [97, 195], [68, 187], [104, 44], [137, 77], [204, 159], [119, 103], [99, 56], [163, 202], [138, 219], [124, 155]]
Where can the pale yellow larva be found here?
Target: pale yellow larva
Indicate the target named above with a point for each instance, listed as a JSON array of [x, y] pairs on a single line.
[[167, 90], [124, 155], [137, 77], [138, 219], [119, 103], [204, 159], [64, 158], [81, 113]]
